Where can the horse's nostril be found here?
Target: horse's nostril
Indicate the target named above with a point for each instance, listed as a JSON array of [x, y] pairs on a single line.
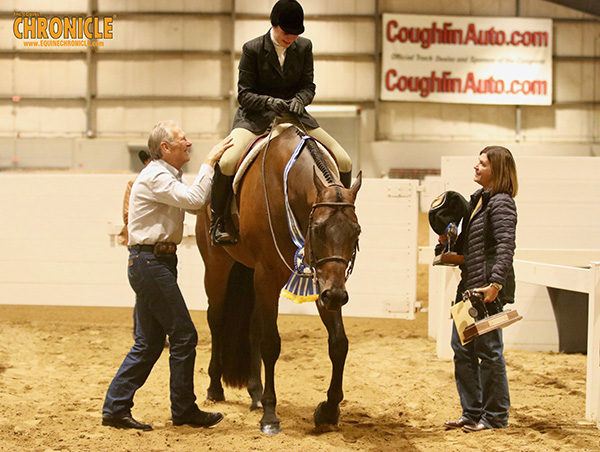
[[334, 298]]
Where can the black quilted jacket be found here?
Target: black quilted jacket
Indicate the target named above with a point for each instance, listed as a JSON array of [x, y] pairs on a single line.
[[488, 244]]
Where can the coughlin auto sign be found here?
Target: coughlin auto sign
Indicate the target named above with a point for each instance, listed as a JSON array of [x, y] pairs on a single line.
[[472, 60]]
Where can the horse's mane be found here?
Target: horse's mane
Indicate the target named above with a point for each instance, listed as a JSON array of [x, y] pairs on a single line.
[[319, 159]]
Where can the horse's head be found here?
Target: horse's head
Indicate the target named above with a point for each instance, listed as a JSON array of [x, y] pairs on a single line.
[[333, 232]]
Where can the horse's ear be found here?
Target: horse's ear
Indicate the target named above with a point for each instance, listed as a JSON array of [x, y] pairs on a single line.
[[319, 185], [357, 183]]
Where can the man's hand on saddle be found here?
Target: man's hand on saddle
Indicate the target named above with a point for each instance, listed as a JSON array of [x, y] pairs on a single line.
[[217, 151], [279, 106]]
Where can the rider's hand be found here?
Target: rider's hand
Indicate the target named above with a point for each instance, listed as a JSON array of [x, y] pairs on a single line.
[[277, 105], [217, 151], [296, 106]]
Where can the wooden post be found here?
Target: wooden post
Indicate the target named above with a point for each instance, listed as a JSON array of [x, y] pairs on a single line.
[[449, 282], [592, 391]]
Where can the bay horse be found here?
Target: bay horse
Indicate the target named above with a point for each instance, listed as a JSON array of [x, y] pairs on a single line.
[[243, 282]]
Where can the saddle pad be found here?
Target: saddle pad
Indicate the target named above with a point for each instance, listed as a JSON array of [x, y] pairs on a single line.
[[262, 143]]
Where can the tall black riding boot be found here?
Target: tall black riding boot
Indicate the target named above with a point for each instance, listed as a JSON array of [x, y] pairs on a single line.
[[220, 195], [346, 178]]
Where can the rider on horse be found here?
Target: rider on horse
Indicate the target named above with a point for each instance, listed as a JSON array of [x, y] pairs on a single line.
[[275, 80]]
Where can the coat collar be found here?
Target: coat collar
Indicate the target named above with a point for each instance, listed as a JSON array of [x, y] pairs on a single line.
[[486, 194]]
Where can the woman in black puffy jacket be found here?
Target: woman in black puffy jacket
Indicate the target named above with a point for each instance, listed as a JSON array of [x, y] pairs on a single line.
[[488, 246]]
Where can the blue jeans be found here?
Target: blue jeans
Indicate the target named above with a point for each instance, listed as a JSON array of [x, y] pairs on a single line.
[[480, 372], [160, 310]]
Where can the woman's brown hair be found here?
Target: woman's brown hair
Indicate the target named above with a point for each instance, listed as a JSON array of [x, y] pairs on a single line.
[[504, 170]]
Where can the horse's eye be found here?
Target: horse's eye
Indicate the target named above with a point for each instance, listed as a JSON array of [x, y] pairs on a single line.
[[318, 224]]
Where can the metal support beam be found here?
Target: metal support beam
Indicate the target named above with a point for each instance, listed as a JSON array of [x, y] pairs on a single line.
[[91, 85], [378, 46]]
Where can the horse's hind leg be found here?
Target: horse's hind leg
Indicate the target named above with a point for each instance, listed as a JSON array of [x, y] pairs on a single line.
[[328, 412], [215, 369], [217, 267], [217, 273]]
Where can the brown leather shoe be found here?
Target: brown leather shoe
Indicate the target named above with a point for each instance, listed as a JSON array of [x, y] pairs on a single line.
[[125, 422], [475, 428], [460, 423]]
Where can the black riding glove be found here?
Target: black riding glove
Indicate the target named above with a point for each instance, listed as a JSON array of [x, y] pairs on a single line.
[[296, 106], [277, 105]]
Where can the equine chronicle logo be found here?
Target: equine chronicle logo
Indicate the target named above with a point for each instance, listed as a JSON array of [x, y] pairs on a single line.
[[38, 30]]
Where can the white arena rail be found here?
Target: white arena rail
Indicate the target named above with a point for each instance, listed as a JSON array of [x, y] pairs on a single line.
[[58, 246], [576, 279]]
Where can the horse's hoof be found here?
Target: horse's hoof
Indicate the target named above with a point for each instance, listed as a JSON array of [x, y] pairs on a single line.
[[326, 416], [215, 396], [270, 429], [256, 406]]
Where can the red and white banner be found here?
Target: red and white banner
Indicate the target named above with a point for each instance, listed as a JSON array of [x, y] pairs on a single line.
[[469, 60]]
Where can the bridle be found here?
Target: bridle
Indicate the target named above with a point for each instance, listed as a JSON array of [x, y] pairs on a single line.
[[312, 262], [315, 263]]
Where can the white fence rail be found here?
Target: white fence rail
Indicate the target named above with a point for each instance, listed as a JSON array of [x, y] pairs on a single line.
[[58, 246]]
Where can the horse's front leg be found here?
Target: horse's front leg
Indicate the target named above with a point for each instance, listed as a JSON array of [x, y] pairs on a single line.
[[255, 387], [328, 412], [267, 302]]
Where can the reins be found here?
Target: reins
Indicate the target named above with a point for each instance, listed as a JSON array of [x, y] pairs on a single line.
[[267, 197]]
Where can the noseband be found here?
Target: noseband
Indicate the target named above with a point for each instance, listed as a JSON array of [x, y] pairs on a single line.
[[313, 262]]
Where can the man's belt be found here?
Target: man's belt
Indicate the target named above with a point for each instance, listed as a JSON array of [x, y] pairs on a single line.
[[159, 248]]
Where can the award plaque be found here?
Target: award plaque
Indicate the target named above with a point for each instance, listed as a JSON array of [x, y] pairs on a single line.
[[489, 322]]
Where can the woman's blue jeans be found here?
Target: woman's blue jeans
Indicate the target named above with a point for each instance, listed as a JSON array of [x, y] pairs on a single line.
[[480, 372], [160, 310]]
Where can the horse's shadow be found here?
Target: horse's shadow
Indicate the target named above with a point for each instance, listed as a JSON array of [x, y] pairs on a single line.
[[381, 432]]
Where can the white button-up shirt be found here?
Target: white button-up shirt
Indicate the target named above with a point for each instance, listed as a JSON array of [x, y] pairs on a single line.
[[159, 198], [279, 49]]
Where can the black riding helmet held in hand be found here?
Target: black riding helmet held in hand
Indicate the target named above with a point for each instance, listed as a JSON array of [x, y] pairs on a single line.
[[449, 207]]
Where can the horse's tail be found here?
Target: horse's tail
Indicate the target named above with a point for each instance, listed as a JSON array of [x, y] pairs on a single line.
[[239, 304]]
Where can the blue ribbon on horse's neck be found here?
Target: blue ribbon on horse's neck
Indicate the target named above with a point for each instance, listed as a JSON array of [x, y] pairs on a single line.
[[302, 285]]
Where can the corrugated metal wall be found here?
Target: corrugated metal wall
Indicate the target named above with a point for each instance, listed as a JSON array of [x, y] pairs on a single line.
[[178, 59]]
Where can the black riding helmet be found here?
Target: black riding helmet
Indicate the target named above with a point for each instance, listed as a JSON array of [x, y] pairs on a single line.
[[449, 207], [289, 16]]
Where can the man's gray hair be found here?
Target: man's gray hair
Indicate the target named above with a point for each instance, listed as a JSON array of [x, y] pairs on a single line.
[[163, 131]]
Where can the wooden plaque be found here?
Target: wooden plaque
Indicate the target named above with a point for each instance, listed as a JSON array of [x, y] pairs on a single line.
[[500, 320]]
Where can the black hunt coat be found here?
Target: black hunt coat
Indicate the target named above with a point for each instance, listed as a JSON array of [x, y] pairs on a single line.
[[261, 77]]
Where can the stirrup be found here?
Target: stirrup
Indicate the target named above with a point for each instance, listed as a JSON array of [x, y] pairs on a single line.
[[218, 233]]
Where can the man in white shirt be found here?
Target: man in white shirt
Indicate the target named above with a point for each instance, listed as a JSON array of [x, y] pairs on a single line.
[[159, 198]]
